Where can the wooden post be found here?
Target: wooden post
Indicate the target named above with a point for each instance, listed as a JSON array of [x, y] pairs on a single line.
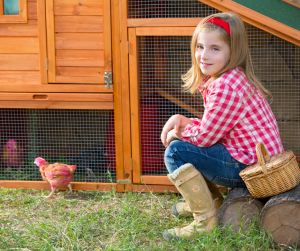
[[41, 6], [281, 217], [1, 7], [51, 41], [239, 209]]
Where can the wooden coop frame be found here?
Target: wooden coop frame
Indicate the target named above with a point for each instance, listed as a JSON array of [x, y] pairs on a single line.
[[33, 73], [133, 34]]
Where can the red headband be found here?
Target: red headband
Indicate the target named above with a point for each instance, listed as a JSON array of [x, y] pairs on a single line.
[[220, 23]]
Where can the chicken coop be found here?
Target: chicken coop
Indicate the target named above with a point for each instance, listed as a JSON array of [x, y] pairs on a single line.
[[92, 82]]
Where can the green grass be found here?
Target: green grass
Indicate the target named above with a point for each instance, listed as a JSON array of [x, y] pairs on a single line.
[[105, 221]]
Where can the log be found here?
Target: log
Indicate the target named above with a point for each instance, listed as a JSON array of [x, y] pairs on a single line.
[[281, 217], [239, 209]]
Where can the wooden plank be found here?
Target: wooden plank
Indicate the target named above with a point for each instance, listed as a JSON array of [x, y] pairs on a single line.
[[19, 30], [163, 180], [11, 19], [19, 45], [125, 87], [80, 75], [78, 8], [293, 2], [57, 105], [54, 88], [23, 10], [42, 42], [107, 35], [78, 24], [88, 41], [1, 8], [164, 22], [19, 61], [252, 17], [135, 105], [154, 189], [50, 41], [80, 80], [93, 186], [80, 71], [156, 180], [32, 10], [19, 77], [118, 114], [45, 185], [80, 58], [66, 97], [165, 31]]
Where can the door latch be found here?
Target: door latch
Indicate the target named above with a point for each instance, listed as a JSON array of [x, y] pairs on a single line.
[[123, 182], [108, 79]]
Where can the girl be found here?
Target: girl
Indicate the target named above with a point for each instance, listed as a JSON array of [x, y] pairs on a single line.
[[213, 150]]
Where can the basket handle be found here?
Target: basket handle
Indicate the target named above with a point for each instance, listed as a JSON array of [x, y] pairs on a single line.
[[262, 155]]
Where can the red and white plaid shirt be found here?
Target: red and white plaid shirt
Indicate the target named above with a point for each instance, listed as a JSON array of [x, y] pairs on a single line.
[[235, 119]]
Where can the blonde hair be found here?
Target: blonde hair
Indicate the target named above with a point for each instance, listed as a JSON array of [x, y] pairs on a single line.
[[239, 52]]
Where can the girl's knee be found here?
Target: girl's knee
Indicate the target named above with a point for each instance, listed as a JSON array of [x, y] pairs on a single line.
[[171, 149]]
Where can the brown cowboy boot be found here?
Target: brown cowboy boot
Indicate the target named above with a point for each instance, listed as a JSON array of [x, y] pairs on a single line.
[[182, 209], [192, 186]]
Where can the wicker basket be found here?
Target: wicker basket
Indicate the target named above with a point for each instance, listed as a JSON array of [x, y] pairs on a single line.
[[277, 175]]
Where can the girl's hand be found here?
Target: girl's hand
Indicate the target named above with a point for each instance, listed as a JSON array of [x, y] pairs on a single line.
[[171, 136], [176, 122]]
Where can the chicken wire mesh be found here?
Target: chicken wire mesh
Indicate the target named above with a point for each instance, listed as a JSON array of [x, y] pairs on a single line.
[[162, 61], [76, 137], [168, 9]]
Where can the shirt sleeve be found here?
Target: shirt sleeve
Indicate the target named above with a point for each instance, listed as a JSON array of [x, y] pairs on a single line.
[[196, 122], [224, 109]]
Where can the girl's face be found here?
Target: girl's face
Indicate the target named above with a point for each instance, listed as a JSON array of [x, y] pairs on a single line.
[[212, 54]]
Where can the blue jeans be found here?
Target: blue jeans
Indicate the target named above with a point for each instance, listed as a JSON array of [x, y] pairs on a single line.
[[214, 162]]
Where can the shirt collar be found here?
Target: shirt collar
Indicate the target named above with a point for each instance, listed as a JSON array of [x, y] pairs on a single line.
[[204, 82]]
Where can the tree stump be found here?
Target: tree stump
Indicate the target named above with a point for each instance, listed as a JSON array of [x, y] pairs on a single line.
[[281, 217], [239, 209]]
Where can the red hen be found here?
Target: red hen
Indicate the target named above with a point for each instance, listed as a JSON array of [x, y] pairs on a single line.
[[56, 174], [13, 155]]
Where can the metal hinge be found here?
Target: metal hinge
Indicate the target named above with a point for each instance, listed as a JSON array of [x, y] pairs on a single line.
[[108, 79], [123, 182], [127, 47], [47, 63]]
